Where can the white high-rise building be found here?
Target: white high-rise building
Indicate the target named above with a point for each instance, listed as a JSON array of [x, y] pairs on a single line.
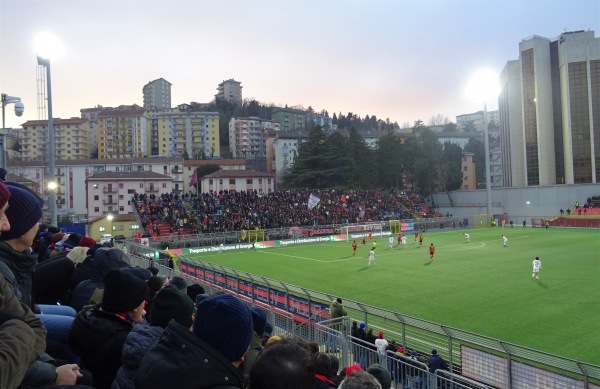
[[550, 111], [230, 90]]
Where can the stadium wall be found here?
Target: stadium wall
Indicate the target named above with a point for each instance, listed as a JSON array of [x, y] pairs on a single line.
[[543, 200]]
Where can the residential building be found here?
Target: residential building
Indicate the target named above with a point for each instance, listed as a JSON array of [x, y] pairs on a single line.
[[550, 110], [289, 119], [282, 151], [185, 130], [313, 118], [111, 192], [191, 165], [124, 224], [248, 136], [71, 139], [91, 114], [238, 180], [230, 90], [477, 119], [458, 138], [123, 132], [157, 94], [71, 176], [468, 170]]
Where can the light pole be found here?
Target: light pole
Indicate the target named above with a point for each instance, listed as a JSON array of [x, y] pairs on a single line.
[[482, 86], [19, 108], [52, 187]]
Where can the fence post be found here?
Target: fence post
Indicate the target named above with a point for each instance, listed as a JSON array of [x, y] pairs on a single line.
[[449, 335], [508, 365]]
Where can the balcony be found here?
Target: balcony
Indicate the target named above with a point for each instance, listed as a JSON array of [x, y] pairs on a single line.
[[109, 202], [151, 189], [109, 190]]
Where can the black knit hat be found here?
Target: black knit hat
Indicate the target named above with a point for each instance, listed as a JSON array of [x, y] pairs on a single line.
[[24, 211], [180, 283], [4, 194], [259, 319], [122, 292], [382, 375], [225, 323], [171, 303]]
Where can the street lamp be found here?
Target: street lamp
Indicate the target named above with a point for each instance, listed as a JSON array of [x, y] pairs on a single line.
[[482, 86], [19, 108]]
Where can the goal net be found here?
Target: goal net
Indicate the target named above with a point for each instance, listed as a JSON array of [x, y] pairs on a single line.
[[395, 226], [538, 222], [357, 231], [256, 235], [483, 220]]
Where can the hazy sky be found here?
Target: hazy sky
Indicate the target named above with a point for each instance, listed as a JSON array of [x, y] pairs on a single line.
[[403, 60]]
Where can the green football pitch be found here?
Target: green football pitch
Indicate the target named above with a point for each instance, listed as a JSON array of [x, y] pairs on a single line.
[[480, 286]]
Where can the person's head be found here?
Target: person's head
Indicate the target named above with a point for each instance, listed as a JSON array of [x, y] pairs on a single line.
[[171, 303], [362, 325], [4, 197], [23, 213], [124, 293], [339, 300], [434, 352], [287, 363], [259, 320], [180, 283], [322, 364], [537, 258], [380, 335], [354, 323], [335, 364], [225, 323], [381, 374], [360, 380]]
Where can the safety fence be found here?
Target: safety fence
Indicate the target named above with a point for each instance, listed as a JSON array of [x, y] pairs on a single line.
[[475, 361]]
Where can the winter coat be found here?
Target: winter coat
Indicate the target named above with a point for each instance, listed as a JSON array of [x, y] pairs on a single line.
[[436, 362], [105, 260], [141, 339], [183, 360], [17, 269], [337, 312], [98, 338], [323, 382], [253, 352], [22, 338]]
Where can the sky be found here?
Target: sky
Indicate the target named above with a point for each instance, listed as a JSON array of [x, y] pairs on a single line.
[[405, 60]]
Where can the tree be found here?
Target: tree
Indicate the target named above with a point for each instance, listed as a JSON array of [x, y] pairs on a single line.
[[205, 170], [427, 161], [450, 127], [450, 172], [308, 170], [438, 120], [185, 155], [389, 162], [470, 126], [477, 147], [363, 173]]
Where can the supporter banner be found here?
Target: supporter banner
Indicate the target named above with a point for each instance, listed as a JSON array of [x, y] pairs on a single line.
[[406, 226], [261, 293], [219, 279], [245, 288], [297, 232]]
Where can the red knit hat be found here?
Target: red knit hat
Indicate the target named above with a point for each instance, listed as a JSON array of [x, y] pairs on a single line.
[[86, 241], [351, 369]]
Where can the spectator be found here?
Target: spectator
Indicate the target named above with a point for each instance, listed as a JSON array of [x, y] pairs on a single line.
[[222, 332], [436, 362], [98, 334], [259, 320], [170, 303], [287, 363], [337, 313], [323, 372], [360, 380], [381, 345], [381, 374]]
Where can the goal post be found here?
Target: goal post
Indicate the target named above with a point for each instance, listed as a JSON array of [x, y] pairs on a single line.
[[482, 220], [395, 226], [538, 222], [256, 235], [357, 231]]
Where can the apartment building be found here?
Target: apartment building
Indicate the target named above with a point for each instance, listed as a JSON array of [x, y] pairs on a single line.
[[230, 90], [289, 119], [123, 132], [191, 165], [248, 136], [550, 111], [157, 94], [71, 139], [238, 180], [282, 151]]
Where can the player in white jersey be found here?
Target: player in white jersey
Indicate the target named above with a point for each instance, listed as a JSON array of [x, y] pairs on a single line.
[[372, 257], [537, 266], [391, 240], [467, 238], [505, 240], [403, 240], [221, 247]]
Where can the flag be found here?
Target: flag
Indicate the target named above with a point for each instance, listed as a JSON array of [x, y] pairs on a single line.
[[194, 179], [361, 213], [313, 201], [343, 198]]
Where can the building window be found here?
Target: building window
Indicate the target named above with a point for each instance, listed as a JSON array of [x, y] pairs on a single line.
[[96, 197], [101, 229], [141, 184], [96, 209], [121, 209], [232, 181], [220, 181], [164, 184], [249, 181], [134, 227]]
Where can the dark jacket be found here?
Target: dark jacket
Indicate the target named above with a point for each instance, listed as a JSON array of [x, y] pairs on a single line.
[[17, 269], [22, 340], [323, 382], [105, 260], [98, 338], [183, 360], [436, 362]]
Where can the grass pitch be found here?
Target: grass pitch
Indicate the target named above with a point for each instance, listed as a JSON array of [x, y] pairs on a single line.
[[479, 286]]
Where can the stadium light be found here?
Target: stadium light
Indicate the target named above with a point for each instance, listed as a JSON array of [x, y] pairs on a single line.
[[483, 86]]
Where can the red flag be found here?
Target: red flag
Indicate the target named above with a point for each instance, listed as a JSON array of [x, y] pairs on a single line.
[[343, 198], [194, 179]]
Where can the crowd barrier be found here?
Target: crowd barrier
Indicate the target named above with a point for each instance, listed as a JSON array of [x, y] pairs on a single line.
[[475, 361]]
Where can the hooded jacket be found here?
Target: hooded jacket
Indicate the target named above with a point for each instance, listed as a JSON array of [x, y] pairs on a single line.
[[183, 360], [17, 269]]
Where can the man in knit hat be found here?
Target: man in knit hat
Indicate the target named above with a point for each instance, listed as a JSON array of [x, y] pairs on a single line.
[[169, 304], [98, 334], [221, 335], [17, 265]]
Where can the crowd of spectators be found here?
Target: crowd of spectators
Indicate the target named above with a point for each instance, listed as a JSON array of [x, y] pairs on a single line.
[[231, 210]]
